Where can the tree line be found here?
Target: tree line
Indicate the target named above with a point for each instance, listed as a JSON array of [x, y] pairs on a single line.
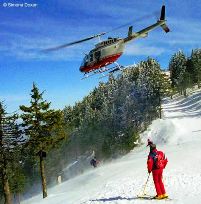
[[185, 71], [38, 143]]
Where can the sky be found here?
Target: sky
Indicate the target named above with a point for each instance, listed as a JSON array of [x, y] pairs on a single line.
[[25, 31]]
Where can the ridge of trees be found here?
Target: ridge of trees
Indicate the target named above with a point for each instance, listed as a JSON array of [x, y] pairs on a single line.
[[185, 71], [109, 120]]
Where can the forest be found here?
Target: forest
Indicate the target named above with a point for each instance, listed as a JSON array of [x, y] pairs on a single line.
[[38, 144]]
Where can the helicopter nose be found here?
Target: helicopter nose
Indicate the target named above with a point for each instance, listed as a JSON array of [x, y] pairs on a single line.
[[81, 69]]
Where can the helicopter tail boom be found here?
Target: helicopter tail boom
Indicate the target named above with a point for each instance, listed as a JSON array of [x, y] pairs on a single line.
[[144, 32]]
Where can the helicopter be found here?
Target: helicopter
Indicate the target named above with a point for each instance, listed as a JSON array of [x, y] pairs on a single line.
[[108, 51]]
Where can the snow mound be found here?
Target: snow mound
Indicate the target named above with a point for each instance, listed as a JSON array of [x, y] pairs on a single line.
[[180, 122], [160, 132]]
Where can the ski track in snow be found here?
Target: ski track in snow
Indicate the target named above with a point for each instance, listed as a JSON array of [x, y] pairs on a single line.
[[178, 134]]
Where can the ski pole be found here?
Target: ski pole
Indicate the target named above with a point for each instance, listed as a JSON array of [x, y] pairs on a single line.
[[143, 193]]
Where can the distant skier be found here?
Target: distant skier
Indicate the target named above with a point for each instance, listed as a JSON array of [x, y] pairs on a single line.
[[156, 162], [94, 162]]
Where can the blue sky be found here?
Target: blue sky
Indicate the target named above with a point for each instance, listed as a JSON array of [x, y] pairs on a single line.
[[25, 31]]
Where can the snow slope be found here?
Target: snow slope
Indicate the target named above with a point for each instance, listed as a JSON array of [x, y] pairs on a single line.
[[119, 182]]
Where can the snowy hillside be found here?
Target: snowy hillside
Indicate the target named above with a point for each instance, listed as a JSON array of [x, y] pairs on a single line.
[[178, 134]]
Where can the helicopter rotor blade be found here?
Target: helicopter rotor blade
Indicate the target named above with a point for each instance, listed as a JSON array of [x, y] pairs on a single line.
[[73, 43], [139, 19], [98, 35]]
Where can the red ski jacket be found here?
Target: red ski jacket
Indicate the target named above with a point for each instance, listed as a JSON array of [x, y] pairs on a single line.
[[152, 161]]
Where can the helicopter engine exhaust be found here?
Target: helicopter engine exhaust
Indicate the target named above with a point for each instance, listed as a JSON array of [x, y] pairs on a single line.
[[130, 31]]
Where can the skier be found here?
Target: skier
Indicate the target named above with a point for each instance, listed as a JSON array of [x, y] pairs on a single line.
[[94, 162], [156, 162]]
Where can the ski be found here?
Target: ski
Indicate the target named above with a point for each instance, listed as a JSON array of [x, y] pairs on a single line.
[[152, 198], [145, 197]]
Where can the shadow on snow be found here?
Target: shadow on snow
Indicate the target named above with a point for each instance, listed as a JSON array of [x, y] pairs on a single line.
[[119, 198]]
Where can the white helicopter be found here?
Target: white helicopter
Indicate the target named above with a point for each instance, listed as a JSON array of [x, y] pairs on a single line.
[[108, 51]]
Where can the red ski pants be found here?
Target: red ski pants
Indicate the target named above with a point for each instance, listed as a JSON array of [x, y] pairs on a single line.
[[157, 177]]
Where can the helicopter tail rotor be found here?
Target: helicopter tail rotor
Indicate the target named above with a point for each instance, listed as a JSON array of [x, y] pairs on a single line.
[[162, 18]]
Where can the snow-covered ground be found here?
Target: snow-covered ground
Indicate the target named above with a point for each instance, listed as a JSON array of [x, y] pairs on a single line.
[[178, 134]]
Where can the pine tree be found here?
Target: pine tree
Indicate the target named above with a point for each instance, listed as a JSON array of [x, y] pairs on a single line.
[[177, 67], [196, 65], [17, 178], [43, 127], [11, 140]]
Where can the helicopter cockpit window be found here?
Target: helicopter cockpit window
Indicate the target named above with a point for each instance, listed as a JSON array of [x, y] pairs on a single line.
[[97, 55], [91, 57], [84, 61]]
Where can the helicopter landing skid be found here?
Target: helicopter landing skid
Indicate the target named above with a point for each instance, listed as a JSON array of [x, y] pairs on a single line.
[[103, 71]]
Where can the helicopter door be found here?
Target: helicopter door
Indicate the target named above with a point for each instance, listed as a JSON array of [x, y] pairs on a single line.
[[97, 55]]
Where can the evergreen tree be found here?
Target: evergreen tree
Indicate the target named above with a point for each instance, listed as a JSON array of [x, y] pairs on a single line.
[[18, 179], [43, 127], [153, 86], [196, 65], [177, 67], [11, 140]]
